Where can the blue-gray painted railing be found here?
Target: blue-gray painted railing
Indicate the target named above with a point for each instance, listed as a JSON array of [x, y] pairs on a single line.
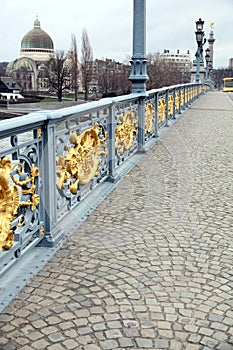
[[51, 160]]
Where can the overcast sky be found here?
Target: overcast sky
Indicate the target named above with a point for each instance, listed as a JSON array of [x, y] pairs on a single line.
[[170, 25]]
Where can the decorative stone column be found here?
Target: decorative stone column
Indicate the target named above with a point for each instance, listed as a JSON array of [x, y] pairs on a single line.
[[211, 41]]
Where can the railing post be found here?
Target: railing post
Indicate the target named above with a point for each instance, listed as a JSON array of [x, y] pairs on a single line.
[[111, 144], [156, 115], [49, 184], [166, 99], [141, 124], [174, 104], [185, 97], [179, 100]]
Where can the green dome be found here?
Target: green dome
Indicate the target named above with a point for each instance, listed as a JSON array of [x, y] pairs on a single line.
[[24, 63], [10, 67], [36, 38]]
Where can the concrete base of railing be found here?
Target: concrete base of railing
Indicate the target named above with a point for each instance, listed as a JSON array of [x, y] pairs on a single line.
[[57, 236]]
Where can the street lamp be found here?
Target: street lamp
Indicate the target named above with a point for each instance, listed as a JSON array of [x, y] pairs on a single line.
[[199, 25], [207, 70], [210, 67], [200, 43]]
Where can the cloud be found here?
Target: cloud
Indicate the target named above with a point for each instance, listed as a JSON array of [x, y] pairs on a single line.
[[170, 25]]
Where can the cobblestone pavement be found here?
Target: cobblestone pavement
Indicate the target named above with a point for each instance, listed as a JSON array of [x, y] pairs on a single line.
[[151, 268]]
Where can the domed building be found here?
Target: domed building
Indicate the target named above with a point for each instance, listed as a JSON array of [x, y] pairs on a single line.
[[37, 44], [30, 70]]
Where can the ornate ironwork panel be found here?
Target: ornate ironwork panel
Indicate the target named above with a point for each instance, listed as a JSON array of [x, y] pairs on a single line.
[[126, 131], [21, 222], [161, 110], [177, 101], [50, 161], [182, 98], [149, 119], [81, 158], [170, 106]]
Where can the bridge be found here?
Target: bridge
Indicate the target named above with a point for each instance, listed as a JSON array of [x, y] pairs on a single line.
[[141, 255], [115, 221]]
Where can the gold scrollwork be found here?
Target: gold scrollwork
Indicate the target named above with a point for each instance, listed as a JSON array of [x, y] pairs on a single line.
[[182, 98], [170, 105], [149, 117], [82, 162], [21, 220], [42, 230], [189, 95], [177, 99], [126, 131], [9, 204], [195, 92], [39, 133], [27, 184], [161, 109], [9, 198]]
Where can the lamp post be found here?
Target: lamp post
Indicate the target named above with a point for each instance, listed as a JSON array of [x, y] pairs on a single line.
[[207, 69], [200, 43], [138, 75], [210, 67], [207, 60]]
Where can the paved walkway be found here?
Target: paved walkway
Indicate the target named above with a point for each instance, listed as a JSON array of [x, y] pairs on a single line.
[[151, 268]]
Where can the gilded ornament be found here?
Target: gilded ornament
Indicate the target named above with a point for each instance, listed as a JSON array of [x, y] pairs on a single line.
[[83, 159], [182, 97], [161, 110], [9, 203], [21, 220], [189, 94], [149, 117], [9, 198], [177, 99], [126, 131], [170, 105]]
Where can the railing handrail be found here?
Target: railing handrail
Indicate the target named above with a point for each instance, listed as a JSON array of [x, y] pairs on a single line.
[[25, 120], [41, 116]]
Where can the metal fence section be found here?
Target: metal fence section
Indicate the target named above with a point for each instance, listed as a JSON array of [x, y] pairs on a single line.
[[51, 160]]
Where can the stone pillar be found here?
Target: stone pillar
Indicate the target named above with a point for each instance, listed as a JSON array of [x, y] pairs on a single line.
[[138, 75], [211, 41]]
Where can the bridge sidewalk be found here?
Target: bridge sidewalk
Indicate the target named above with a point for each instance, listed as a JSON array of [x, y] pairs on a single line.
[[152, 266]]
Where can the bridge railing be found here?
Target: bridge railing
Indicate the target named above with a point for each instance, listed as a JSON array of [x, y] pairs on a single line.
[[51, 160]]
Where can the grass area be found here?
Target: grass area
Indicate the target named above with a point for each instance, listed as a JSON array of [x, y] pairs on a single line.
[[48, 99], [65, 98]]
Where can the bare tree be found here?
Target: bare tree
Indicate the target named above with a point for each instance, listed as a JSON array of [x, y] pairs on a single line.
[[219, 74], [60, 78], [162, 72], [74, 66], [107, 81], [114, 82], [86, 62], [3, 66]]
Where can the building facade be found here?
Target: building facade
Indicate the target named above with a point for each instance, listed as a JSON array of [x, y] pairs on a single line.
[[30, 70], [9, 89], [178, 60], [230, 63], [109, 76]]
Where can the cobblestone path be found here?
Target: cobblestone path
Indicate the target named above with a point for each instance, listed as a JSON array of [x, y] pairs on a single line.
[[151, 268]]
